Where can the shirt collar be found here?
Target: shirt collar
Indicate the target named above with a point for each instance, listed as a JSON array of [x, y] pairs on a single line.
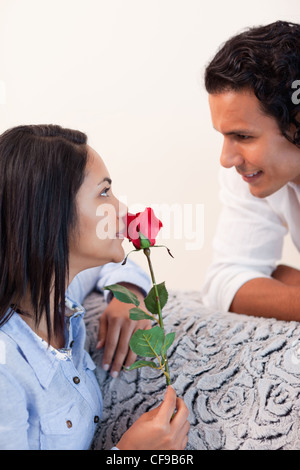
[[43, 360], [74, 312], [294, 186]]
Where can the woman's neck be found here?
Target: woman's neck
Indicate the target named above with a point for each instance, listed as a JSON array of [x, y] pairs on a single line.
[[25, 305], [26, 312]]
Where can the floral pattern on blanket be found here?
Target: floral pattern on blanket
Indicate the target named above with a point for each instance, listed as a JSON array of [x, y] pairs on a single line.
[[238, 375]]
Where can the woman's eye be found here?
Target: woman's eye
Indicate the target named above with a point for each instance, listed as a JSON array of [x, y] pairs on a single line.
[[104, 192]]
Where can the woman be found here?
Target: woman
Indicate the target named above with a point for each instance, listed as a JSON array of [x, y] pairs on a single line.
[[52, 186]]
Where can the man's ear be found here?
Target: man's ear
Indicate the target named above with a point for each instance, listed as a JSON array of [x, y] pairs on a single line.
[[293, 133], [296, 129]]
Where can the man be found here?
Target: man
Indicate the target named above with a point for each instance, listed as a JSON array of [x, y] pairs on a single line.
[[253, 85]]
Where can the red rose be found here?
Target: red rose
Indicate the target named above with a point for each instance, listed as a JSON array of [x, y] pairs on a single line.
[[142, 228]]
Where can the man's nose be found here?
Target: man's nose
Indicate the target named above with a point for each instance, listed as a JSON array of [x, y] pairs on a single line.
[[230, 156]]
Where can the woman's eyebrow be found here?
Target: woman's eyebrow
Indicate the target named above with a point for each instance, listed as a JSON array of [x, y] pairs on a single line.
[[105, 179]]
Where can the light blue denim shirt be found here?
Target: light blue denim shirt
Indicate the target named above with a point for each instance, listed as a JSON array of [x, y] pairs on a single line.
[[50, 399]]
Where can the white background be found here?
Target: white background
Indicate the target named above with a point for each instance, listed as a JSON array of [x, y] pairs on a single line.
[[129, 73]]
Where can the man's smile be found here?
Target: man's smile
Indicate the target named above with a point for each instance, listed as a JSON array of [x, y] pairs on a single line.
[[250, 176]]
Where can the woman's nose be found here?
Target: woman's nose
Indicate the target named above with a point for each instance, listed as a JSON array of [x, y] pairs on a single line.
[[122, 209], [230, 156]]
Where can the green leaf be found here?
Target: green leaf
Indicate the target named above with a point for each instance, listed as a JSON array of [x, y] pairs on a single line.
[[150, 300], [139, 364], [139, 314], [169, 338], [144, 241], [147, 343], [123, 294]]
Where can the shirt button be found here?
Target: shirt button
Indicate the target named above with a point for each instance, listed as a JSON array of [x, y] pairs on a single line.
[[76, 380], [71, 344], [96, 419], [69, 423]]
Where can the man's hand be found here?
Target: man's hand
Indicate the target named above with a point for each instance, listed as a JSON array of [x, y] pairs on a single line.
[[116, 329]]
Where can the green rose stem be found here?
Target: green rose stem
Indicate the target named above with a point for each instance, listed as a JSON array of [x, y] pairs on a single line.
[[161, 323], [150, 342]]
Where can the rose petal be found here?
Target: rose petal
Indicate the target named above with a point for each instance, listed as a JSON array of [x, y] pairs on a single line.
[[146, 222]]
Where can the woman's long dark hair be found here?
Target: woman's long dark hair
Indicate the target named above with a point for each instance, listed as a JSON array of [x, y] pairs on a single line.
[[41, 170], [265, 59]]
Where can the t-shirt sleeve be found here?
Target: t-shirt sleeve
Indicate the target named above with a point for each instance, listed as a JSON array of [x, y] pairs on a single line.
[[247, 244], [112, 273]]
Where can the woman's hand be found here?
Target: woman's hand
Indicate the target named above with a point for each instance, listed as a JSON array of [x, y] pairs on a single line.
[[155, 430], [115, 332]]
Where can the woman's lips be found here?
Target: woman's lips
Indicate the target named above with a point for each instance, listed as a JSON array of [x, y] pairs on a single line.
[[120, 235]]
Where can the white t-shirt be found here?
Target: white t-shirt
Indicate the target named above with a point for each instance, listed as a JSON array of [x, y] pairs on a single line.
[[249, 238]]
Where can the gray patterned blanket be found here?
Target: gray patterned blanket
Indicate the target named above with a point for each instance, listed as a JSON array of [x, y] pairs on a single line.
[[238, 375]]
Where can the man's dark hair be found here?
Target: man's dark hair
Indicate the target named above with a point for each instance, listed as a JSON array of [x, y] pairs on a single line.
[[41, 170], [266, 60]]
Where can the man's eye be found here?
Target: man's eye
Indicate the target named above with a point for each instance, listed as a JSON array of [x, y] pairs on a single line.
[[243, 137], [104, 192]]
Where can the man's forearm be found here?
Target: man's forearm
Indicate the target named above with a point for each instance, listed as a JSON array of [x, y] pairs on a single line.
[[278, 297], [287, 275]]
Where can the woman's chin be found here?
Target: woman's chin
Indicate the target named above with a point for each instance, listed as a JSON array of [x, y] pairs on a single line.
[[119, 255]]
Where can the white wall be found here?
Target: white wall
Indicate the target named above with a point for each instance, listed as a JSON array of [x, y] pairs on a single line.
[[129, 74]]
